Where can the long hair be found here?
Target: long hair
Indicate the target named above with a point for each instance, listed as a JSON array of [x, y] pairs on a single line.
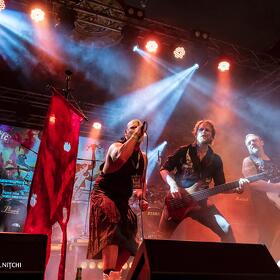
[[199, 123]]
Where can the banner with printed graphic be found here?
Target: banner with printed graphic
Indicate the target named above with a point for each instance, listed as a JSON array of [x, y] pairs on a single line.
[[52, 186], [18, 154]]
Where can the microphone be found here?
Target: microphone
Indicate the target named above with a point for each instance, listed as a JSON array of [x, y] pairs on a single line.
[[144, 127]]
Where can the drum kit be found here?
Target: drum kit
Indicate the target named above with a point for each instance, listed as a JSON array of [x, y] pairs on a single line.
[[13, 199]]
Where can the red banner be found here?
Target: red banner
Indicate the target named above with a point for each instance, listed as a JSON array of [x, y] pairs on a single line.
[[52, 186]]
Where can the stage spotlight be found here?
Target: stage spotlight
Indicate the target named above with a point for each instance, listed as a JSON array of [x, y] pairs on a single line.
[[140, 14], [151, 46], [2, 5], [134, 12], [37, 14], [99, 265], [83, 265], [205, 35], [179, 52], [196, 66], [135, 48], [52, 119], [91, 265], [199, 34], [129, 36], [66, 18], [224, 65], [97, 125]]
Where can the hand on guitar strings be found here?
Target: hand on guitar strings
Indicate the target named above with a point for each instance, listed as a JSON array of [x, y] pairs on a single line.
[[143, 204], [174, 191], [242, 183]]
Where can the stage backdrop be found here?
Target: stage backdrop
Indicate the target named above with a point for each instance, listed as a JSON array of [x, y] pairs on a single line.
[[18, 154]]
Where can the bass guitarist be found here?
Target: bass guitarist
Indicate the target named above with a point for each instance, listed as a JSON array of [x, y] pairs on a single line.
[[190, 169]]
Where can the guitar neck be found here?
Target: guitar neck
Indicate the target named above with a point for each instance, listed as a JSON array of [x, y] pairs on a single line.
[[203, 194]]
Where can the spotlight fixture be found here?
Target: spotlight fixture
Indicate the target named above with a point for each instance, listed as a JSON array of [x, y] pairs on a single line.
[[199, 34], [66, 18], [179, 52], [143, 3], [91, 265], [129, 36], [2, 5], [38, 10], [151, 46], [135, 48], [37, 14], [131, 11], [224, 66], [52, 119], [97, 125], [205, 35]]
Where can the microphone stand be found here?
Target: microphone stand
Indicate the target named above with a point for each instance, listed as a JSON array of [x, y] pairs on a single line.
[[88, 200], [145, 128]]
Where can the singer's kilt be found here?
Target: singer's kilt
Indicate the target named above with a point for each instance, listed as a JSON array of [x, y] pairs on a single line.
[[111, 222]]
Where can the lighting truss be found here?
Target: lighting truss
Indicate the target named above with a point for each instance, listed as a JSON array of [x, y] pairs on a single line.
[[12, 99], [96, 18]]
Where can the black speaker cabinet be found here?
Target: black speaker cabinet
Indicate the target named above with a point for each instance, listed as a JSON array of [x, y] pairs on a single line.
[[177, 260], [22, 256]]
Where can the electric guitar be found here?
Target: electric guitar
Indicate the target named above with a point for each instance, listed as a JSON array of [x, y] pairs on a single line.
[[178, 208]]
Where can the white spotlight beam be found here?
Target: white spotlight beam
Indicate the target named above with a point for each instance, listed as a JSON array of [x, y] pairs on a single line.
[[154, 158]]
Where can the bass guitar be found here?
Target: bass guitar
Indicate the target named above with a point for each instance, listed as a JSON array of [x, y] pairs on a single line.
[[178, 208]]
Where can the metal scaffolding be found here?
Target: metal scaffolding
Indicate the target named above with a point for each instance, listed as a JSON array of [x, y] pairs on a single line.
[[29, 109], [96, 19]]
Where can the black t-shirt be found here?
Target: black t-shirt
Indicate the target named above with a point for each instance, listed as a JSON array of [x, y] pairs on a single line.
[[188, 169], [118, 185]]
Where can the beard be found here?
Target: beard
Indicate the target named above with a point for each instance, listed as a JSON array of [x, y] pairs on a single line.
[[253, 151], [202, 140]]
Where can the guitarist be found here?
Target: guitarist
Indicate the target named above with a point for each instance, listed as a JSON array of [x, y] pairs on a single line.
[[183, 170], [267, 211]]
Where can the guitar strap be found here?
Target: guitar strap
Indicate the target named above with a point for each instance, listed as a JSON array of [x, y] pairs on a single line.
[[258, 162]]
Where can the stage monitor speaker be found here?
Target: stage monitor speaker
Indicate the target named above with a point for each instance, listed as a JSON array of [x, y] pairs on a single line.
[[178, 260], [22, 256]]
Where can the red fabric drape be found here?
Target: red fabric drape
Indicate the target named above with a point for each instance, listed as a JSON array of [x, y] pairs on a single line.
[[52, 185]]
